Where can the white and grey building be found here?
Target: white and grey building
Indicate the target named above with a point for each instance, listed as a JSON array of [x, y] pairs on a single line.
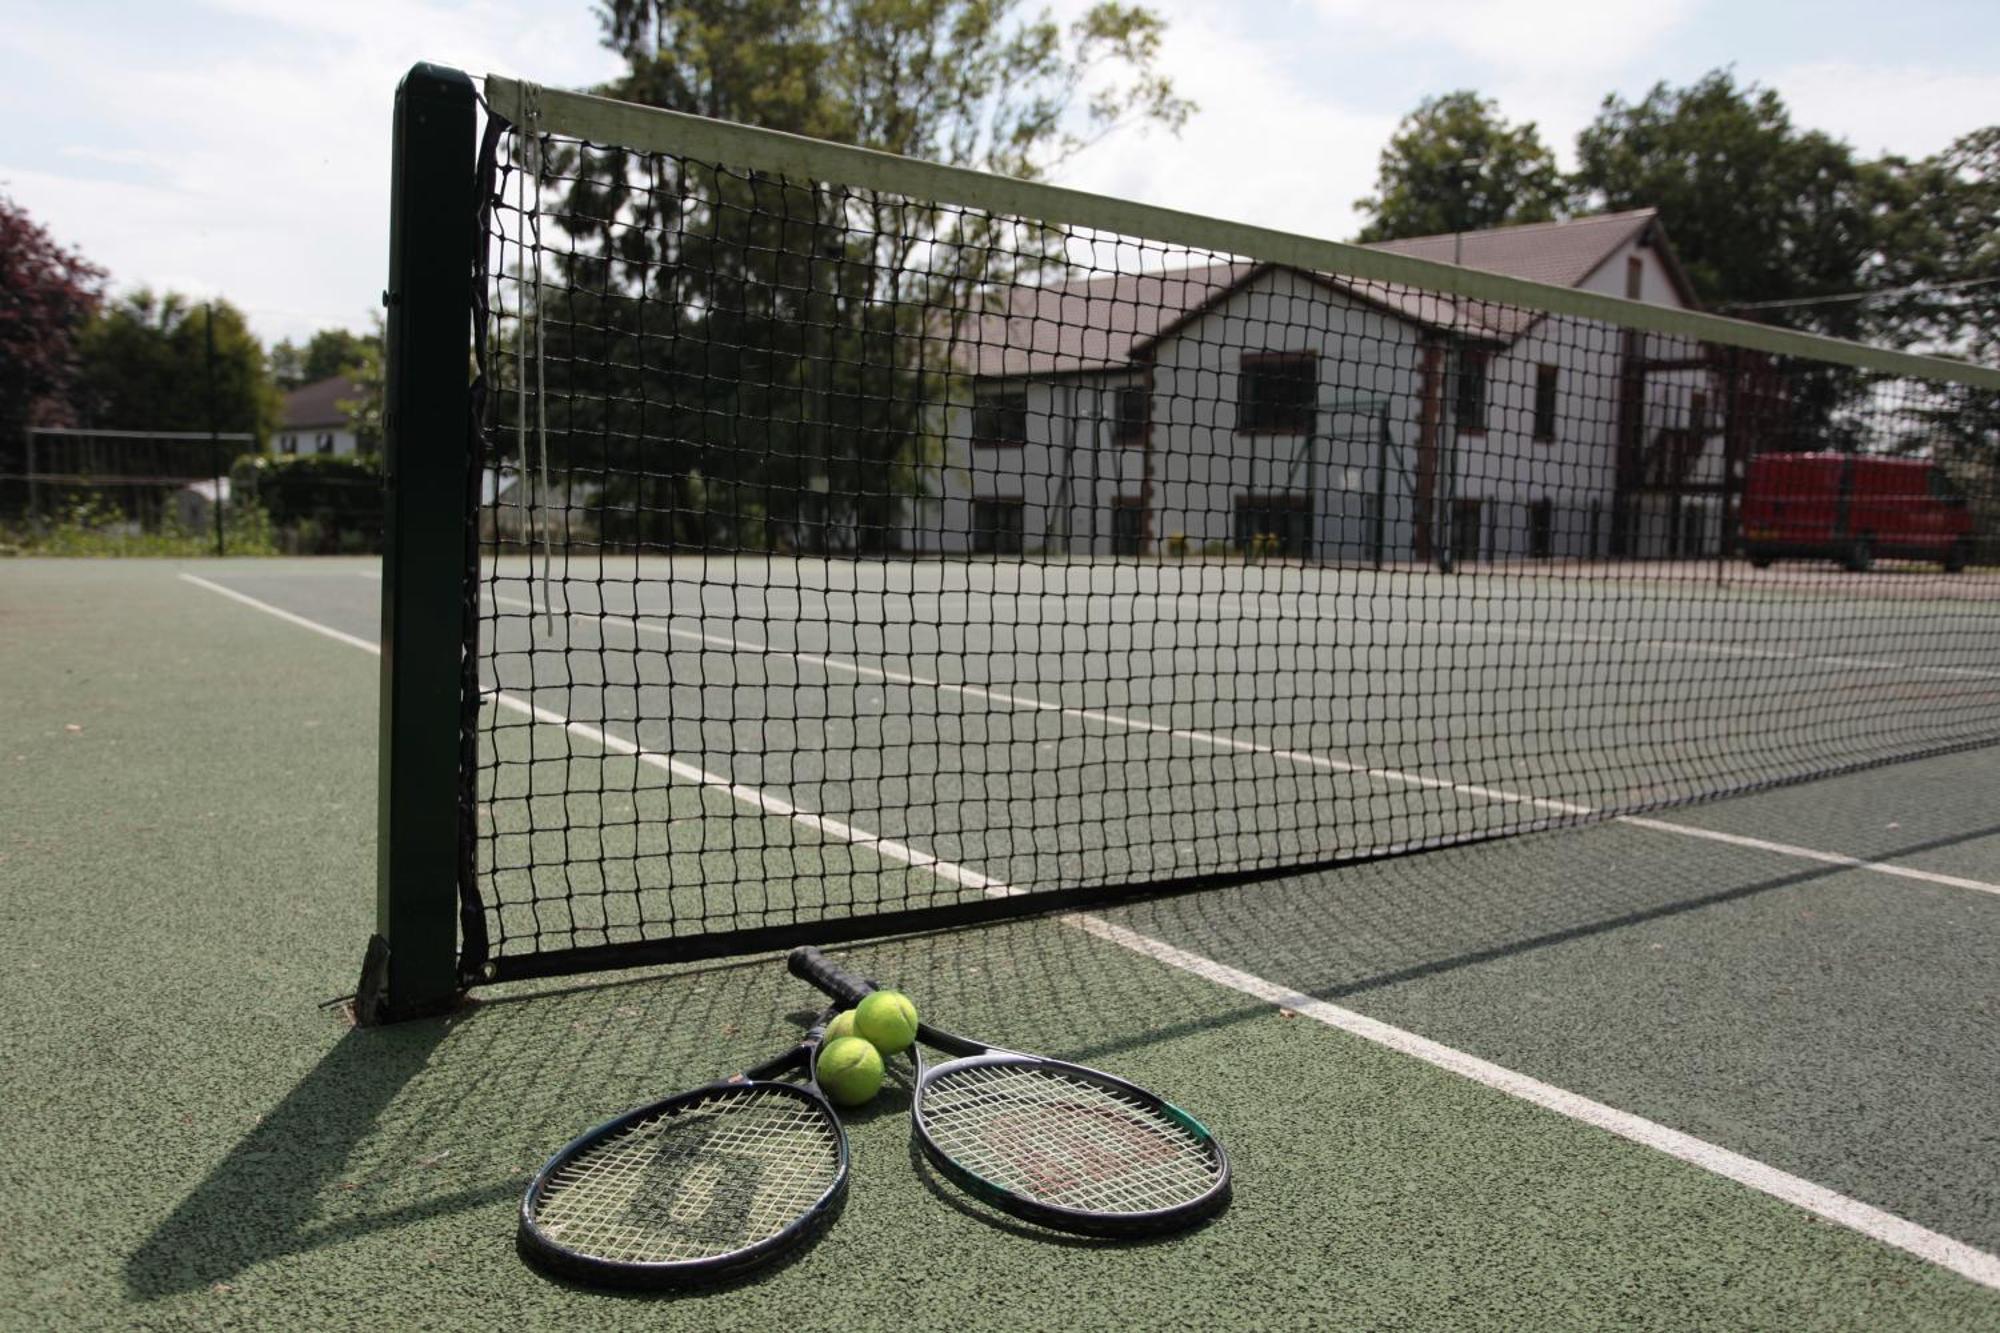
[[1206, 410]]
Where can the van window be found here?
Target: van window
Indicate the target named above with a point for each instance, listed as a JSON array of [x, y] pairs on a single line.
[[1942, 487]]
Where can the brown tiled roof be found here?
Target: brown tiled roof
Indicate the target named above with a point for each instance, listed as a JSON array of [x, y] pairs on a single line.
[[1561, 254], [1099, 323], [1091, 324], [318, 404]]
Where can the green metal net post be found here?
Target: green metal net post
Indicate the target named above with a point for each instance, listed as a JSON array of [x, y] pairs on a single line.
[[411, 966]]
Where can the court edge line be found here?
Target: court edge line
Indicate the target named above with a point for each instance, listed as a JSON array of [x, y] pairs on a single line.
[[1300, 757], [1034, 703], [1967, 1261], [1887, 1228], [329, 631], [1807, 853]]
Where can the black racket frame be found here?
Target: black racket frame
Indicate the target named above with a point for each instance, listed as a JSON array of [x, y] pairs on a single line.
[[552, 1256], [848, 990]]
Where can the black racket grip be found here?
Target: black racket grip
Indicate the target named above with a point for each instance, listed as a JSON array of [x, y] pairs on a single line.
[[810, 965]]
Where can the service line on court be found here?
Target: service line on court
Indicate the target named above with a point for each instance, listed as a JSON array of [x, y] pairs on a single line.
[[1887, 1228], [1302, 758]]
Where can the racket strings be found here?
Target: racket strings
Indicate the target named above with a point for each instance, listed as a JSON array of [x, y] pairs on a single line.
[[1048, 1135], [696, 1181]]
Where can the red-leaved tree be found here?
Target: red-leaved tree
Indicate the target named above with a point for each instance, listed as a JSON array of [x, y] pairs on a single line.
[[47, 294]]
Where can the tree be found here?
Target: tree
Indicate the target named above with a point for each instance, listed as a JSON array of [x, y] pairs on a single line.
[[1455, 165], [366, 407], [1758, 211], [968, 82], [1942, 238], [807, 316], [327, 353], [145, 366], [47, 296]]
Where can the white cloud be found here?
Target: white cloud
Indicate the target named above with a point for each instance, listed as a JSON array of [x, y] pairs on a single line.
[[260, 172], [1262, 148], [1897, 109], [1564, 37], [257, 166]]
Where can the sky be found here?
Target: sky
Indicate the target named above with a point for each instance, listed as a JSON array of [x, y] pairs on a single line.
[[240, 148]]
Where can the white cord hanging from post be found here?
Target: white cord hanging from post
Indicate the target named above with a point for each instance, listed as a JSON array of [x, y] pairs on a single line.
[[534, 161], [521, 340]]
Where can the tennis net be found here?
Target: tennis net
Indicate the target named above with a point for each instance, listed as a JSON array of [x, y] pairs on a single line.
[[853, 543]]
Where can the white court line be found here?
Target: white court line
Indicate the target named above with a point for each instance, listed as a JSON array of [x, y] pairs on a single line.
[[1741, 651], [1810, 854], [1897, 1232], [1301, 757], [1283, 604], [313, 625], [1931, 1246]]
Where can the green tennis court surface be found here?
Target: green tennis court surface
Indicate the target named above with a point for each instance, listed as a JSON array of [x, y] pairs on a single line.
[[188, 852], [1097, 723]]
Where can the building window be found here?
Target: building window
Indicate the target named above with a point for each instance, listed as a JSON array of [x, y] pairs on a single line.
[[1128, 526], [1545, 402], [1469, 408], [324, 444], [996, 527], [1274, 526], [288, 444], [1277, 392], [1698, 413], [1542, 529], [1130, 423], [1635, 277], [1467, 518], [1000, 420]]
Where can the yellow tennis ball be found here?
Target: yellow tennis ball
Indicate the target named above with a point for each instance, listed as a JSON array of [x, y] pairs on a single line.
[[841, 1026], [850, 1071], [888, 1020]]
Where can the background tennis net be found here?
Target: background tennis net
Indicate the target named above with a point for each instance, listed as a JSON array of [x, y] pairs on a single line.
[[860, 543]]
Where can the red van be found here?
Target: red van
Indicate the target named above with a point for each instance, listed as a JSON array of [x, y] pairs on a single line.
[[1853, 508]]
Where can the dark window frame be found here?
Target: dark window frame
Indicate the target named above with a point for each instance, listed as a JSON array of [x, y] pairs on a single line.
[[1547, 381], [1256, 417], [988, 424], [994, 539], [1541, 528], [1468, 530], [1472, 389], [1133, 542], [1128, 429], [1286, 515]]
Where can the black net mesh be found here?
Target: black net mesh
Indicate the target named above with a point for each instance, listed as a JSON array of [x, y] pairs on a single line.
[[843, 554]]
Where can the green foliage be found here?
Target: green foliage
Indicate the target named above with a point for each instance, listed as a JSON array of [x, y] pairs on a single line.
[[47, 296], [324, 504], [970, 82], [1942, 233], [1455, 165], [328, 352], [90, 526], [802, 310], [1756, 209], [366, 407], [145, 365]]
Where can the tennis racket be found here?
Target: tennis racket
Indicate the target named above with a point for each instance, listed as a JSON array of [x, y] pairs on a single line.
[[698, 1187], [1048, 1141]]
